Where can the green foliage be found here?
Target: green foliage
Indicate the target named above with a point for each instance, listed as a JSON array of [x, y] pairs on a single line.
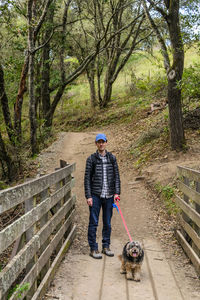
[[143, 158], [12, 72], [191, 87], [167, 193], [19, 290], [153, 86], [2, 187]]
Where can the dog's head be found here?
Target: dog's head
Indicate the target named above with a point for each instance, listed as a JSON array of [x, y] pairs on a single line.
[[134, 250]]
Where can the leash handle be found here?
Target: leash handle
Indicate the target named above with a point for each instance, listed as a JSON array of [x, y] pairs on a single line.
[[119, 209], [115, 206]]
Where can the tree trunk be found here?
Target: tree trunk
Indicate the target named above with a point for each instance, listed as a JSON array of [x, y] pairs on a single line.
[[38, 88], [99, 89], [32, 106], [107, 92], [45, 80], [90, 75], [177, 138], [50, 114], [99, 68], [48, 108], [5, 108], [19, 101], [175, 71], [92, 92], [45, 93], [4, 157]]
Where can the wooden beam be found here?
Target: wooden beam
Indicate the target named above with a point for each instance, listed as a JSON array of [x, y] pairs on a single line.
[[192, 194], [189, 173], [190, 231], [9, 234], [190, 252], [194, 216], [13, 196]]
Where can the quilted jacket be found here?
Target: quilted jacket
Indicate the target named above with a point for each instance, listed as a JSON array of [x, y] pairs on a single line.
[[93, 180]]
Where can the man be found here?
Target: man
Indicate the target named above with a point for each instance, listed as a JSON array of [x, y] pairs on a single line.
[[102, 188]]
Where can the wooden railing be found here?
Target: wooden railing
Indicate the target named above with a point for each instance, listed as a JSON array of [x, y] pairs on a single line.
[[37, 238], [189, 234]]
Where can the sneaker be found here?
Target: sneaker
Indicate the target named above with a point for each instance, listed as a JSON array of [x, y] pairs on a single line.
[[107, 252], [95, 254]]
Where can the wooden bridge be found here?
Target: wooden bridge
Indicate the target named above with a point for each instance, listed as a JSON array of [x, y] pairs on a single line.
[[34, 242]]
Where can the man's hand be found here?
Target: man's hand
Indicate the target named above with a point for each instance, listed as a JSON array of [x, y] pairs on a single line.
[[116, 197], [89, 201]]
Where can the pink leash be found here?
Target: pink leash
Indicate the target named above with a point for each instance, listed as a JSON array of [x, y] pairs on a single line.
[[119, 209]]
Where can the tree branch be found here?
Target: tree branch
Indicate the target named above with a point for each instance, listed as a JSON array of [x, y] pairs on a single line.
[[41, 20], [159, 37], [159, 9]]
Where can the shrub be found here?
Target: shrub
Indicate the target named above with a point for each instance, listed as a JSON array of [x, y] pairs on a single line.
[[167, 195], [152, 85], [191, 87]]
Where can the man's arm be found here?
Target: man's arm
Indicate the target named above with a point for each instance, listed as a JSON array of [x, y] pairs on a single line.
[[117, 177], [87, 178]]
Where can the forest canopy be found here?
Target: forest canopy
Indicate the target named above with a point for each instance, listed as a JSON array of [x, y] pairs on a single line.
[[47, 45]]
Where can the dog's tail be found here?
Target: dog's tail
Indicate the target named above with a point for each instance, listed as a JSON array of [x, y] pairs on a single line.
[[120, 257]]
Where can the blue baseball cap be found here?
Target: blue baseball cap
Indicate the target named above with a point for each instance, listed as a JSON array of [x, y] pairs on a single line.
[[101, 136]]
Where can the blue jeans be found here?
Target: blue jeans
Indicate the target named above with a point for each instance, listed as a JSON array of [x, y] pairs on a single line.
[[107, 210]]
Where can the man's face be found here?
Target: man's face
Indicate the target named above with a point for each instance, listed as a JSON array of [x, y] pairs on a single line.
[[101, 145]]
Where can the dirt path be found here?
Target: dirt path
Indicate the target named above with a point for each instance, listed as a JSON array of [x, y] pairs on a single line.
[[166, 272]]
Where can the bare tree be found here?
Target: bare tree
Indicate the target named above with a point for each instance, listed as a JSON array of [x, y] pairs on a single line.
[[107, 19], [169, 11], [101, 43], [122, 46]]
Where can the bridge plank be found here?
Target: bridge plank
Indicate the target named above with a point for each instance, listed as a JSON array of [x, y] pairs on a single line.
[[9, 234], [112, 277], [162, 278], [11, 197]]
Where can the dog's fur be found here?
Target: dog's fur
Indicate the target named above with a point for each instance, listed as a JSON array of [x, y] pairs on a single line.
[[131, 258]]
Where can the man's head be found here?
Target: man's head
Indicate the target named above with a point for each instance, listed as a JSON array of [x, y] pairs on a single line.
[[101, 142]]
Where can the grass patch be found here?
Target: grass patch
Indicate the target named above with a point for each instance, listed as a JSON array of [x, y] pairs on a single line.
[[167, 194]]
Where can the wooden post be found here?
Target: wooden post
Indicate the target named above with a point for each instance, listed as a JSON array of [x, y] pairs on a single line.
[[68, 195], [43, 195], [197, 228], [185, 217], [29, 204]]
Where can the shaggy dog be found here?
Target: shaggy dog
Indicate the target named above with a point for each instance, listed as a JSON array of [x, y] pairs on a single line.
[[131, 258]]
